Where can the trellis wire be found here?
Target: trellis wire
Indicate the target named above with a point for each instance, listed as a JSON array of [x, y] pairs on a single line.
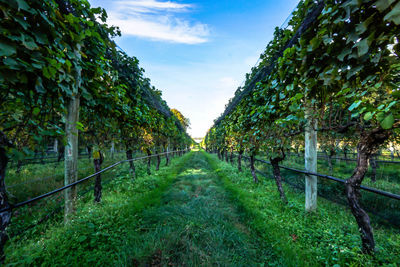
[[24, 203]]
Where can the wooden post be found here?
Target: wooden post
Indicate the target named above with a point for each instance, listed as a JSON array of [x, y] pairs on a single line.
[[71, 148], [310, 161]]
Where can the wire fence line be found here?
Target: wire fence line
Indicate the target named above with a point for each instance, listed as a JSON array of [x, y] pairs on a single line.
[[39, 179], [332, 178], [56, 209], [384, 205], [45, 160], [48, 194], [350, 159], [60, 205]]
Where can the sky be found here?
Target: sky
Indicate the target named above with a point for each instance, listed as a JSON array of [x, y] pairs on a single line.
[[196, 51]]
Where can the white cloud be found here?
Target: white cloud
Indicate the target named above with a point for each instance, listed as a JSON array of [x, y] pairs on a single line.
[[156, 20], [152, 6]]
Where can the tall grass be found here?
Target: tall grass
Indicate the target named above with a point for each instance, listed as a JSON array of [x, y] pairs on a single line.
[[328, 237]]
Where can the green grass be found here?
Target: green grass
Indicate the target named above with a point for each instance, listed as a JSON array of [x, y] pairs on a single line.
[[383, 209], [202, 212], [328, 237], [29, 215], [387, 175], [181, 216], [29, 181], [98, 232], [197, 225]]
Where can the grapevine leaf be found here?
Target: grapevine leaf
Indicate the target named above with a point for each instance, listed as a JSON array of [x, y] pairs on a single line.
[[394, 14], [388, 122], [82, 238], [6, 49], [368, 116], [23, 5], [382, 5], [380, 116], [35, 111], [362, 47], [354, 105], [344, 53]]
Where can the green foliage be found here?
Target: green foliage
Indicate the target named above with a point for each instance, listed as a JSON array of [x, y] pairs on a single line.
[[345, 60], [338, 69], [52, 50]]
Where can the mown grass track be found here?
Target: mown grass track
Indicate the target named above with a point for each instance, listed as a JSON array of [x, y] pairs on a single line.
[[197, 225]]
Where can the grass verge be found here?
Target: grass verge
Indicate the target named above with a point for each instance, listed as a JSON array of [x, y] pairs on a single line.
[[98, 234], [328, 237]]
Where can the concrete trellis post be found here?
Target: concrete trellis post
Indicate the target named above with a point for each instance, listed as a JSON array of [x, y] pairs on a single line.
[[112, 150], [71, 148], [311, 181]]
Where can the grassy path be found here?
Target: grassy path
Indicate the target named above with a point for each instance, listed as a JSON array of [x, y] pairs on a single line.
[[179, 216], [200, 211], [196, 225]]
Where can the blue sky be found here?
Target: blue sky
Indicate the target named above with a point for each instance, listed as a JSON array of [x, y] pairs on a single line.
[[196, 52]]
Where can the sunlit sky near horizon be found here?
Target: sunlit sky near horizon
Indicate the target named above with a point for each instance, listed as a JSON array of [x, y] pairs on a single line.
[[196, 51]]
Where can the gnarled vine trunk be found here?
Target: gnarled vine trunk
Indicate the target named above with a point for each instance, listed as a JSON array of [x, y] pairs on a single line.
[[240, 160], [60, 154], [226, 155], [330, 155], [372, 163], [252, 168], [148, 161], [231, 156], [368, 143], [129, 156], [5, 216], [89, 150], [19, 166], [97, 161], [167, 156], [158, 160], [278, 178]]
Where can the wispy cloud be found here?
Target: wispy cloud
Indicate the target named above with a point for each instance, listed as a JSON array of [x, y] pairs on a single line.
[[157, 20], [152, 6]]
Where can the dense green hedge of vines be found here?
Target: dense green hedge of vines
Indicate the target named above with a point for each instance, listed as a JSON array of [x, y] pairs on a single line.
[[346, 67], [38, 51], [342, 74]]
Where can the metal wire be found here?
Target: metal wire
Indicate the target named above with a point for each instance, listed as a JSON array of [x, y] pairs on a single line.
[[41, 179], [347, 159], [339, 180], [24, 203]]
